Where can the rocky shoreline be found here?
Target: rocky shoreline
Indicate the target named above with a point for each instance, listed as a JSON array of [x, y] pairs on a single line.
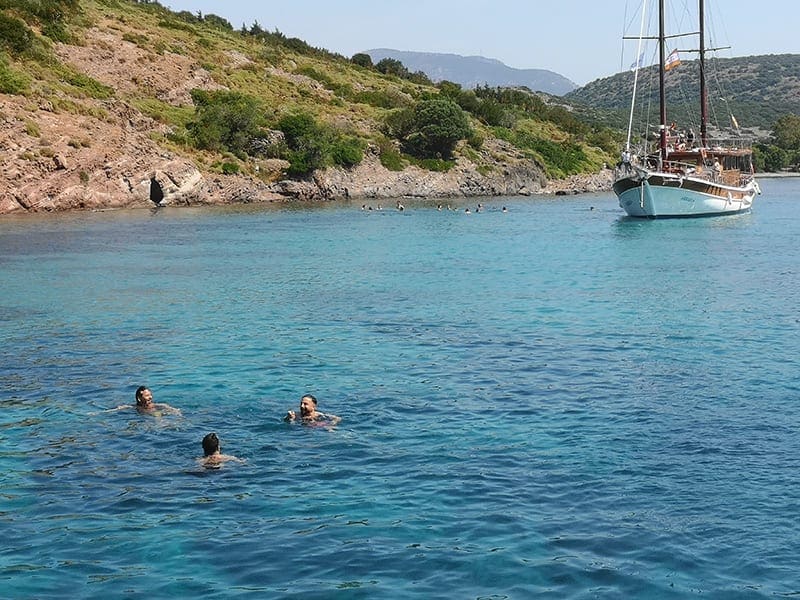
[[77, 163]]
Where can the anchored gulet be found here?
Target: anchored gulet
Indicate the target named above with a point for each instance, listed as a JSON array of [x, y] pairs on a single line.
[[683, 176]]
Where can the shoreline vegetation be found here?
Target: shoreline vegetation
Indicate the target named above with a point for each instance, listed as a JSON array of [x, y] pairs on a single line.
[[120, 104]]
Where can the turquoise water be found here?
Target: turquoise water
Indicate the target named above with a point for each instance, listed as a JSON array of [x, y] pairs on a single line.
[[555, 402]]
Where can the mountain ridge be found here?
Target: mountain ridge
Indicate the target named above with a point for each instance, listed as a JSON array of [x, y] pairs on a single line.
[[756, 89], [474, 70]]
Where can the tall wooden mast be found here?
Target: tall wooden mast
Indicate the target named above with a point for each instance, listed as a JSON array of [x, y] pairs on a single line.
[[703, 91], [662, 98]]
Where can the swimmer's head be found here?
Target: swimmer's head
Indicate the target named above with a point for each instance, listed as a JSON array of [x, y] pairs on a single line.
[[308, 405], [210, 444], [144, 397]]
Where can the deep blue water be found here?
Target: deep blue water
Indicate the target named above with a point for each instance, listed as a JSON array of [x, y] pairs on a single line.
[[555, 402]]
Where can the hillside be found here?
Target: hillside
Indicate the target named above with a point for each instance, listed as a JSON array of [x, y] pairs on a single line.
[[472, 71], [114, 103], [757, 90]]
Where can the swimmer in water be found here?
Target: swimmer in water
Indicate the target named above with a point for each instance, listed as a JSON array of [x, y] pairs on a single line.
[[145, 404], [213, 456], [309, 415]]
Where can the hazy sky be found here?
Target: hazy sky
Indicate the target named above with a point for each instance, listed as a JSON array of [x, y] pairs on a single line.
[[579, 39]]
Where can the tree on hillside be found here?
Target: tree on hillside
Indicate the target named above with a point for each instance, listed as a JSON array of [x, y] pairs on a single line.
[[437, 125], [362, 59], [391, 66], [786, 132], [226, 121]]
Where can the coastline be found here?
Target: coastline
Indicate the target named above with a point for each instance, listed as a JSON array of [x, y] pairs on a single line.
[[780, 175]]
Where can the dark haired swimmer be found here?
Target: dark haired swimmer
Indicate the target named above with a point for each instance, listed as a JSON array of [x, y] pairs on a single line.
[[213, 456], [309, 415], [145, 404]]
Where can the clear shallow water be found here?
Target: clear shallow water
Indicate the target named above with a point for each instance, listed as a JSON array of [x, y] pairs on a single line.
[[556, 401]]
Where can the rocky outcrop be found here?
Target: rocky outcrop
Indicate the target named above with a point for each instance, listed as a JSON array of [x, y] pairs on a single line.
[[510, 176]]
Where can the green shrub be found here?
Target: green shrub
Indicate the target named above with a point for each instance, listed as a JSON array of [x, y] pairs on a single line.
[[390, 157], [363, 60], [296, 127], [15, 35], [559, 158], [51, 16], [226, 121], [32, 128], [218, 22], [176, 25], [491, 112], [91, 87], [435, 164], [136, 38], [347, 151], [475, 140], [391, 66], [437, 125], [12, 82], [311, 146], [230, 168]]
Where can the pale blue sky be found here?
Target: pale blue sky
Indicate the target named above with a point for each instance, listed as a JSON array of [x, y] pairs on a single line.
[[580, 39]]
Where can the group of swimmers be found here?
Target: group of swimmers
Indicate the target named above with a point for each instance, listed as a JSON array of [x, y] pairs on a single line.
[[212, 454], [439, 207]]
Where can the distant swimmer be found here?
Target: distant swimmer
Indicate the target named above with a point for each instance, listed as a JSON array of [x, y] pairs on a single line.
[[213, 457], [505, 209], [400, 206], [309, 415], [145, 404]]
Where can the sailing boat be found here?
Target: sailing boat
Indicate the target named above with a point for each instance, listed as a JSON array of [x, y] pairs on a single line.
[[684, 176]]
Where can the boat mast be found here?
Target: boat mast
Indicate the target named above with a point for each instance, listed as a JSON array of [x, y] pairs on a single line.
[[661, 85], [703, 91]]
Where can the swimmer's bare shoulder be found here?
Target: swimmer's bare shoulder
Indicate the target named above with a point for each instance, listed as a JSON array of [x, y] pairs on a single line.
[[216, 460]]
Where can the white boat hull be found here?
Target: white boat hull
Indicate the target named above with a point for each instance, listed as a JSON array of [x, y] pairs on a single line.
[[662, 196]]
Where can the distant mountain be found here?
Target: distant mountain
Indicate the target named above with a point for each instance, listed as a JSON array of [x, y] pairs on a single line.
[[757, 90], [472, 71]]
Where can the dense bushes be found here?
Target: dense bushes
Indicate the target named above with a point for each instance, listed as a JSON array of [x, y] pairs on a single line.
[[783, 150], [236, 123], [51, 16], [226, 121], [431, 129], [12, 82], [311, 146], [560, 159], [15, 36]]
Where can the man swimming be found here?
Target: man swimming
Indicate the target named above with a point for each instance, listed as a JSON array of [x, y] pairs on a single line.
[[145, 404], [309, 415], [213, 455]]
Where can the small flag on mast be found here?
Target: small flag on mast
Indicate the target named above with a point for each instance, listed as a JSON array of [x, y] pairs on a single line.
[[638, 64], [673, 60]]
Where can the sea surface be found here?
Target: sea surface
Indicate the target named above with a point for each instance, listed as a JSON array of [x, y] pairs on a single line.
[[554, 402]]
